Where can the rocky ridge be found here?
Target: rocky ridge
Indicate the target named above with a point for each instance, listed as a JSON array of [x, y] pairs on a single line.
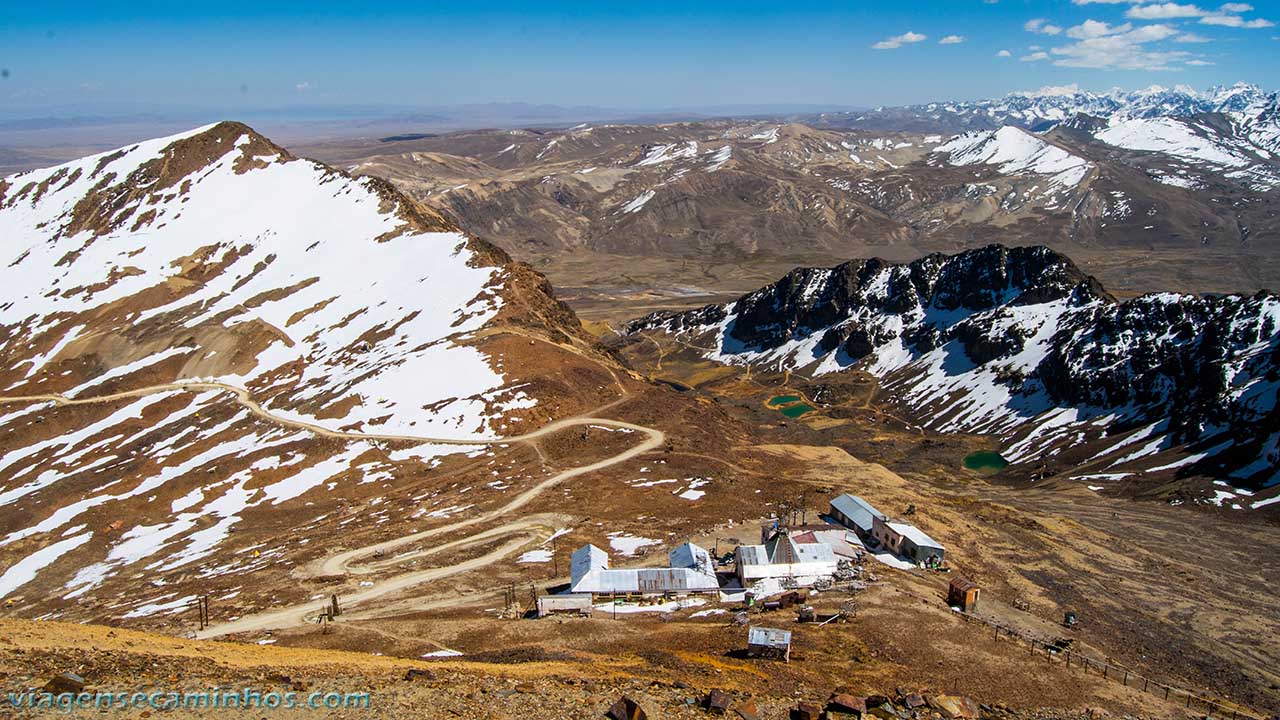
[[1021, 344]]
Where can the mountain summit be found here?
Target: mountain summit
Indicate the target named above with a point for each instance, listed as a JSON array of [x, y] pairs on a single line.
[[216, 254], [205, 335]]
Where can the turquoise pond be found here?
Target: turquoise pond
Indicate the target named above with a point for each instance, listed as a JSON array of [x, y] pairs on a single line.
[[986, 460], [795, 410]]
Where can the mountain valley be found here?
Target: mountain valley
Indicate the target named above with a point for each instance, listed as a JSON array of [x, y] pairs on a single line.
[[238, 376], [1154, 191]]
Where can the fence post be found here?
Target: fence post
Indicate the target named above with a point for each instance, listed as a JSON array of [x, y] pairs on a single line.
[[1125, 681]]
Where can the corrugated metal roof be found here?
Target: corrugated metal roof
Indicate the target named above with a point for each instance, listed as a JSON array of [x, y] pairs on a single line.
[[782, 550], [751, 555], [646, 580], [585, 560], [590, 573], [689, 555], [769, 637], [795, 553], [815, 552], [915, 535], [842, 542], [859, 511]]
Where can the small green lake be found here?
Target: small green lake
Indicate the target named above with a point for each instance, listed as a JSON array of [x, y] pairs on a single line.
[[985, 461], [795, 410], [780, 400]]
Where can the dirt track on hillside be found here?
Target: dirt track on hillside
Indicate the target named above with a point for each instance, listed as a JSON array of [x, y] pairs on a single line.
[[348, 562]]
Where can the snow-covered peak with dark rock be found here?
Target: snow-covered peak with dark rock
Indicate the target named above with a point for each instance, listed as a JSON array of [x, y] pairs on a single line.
[[1021, 344]]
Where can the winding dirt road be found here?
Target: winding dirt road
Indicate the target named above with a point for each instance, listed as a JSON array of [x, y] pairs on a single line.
[[528, 530]]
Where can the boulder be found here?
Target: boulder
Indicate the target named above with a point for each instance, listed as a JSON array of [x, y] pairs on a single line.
[[881, 707], [845, 704], [747, 710], [717, 702], [67, 682], [955, 707], [626, 709], [884, 712], [808, 711]]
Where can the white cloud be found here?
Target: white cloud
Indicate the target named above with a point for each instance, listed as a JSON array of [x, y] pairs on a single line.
[[1096, 29], [1236, 8], [303, 86], [1006, 53], [1235, 21], [1124, 50], [1035, 57], [952, 40], [898, 41], [1164, 11], [1199, 63], [1041, 26], [1190, 37]]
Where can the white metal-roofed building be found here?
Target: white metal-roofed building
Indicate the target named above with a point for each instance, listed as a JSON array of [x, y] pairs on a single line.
[[691, 572], [908, 541], [855, 513], [782, 557]]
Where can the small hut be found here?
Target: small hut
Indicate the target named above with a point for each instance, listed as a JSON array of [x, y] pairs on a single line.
[[769, 643], [570, 603], [962, 593]]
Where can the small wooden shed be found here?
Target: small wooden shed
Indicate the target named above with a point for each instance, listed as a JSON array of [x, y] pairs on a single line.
[[576, 604], [963, 593]]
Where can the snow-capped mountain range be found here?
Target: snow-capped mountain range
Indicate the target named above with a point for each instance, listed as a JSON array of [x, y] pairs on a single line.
[[1020, 344], [1231, 130], [1044, 108]]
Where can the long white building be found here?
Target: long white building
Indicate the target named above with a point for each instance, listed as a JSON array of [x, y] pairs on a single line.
[[691, 572]]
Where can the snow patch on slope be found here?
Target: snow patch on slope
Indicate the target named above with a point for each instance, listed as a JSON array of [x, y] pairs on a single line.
[[1017, 152], [311, 253]]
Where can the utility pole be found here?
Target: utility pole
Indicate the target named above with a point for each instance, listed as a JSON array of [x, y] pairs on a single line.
[[202, 611]]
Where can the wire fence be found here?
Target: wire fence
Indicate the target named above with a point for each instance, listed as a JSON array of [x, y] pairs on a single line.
[[1129, 678]]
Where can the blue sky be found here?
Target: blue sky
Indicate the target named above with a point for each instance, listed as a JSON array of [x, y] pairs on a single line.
[[103, 57]]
